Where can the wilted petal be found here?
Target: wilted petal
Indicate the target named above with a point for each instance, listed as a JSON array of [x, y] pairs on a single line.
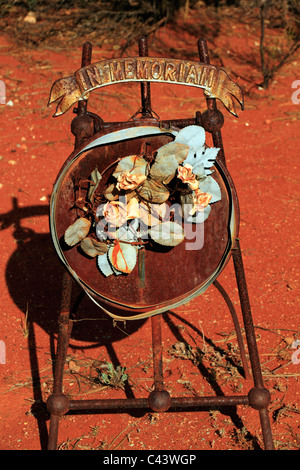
[[133, 208], [129, 181]]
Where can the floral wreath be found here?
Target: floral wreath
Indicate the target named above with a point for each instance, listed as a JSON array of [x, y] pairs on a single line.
[[149, 200]]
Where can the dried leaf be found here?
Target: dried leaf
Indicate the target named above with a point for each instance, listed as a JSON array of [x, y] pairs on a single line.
[[104, 265], [134, 164], [123, 257], [111, 192], [77, 231], [163, 170], [153, 192], [199, 217], [193, 136], [73, 366], [178, 150], [151, 214], [167, 233], [95, 179], [210, 186], [93, 247], [187, 205]]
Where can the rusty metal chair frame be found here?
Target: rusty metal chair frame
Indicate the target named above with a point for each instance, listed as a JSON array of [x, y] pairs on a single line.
[[159, 399]]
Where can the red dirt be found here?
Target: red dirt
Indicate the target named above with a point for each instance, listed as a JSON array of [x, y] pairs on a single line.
[[261, 150]]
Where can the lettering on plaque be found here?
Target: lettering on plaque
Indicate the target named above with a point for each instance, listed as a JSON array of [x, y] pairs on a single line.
[[214, 81]]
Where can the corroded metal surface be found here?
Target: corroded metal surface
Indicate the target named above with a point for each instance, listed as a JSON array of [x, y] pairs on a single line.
[[192, 269]]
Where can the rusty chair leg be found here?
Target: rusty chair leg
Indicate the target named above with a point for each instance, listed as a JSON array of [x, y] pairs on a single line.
[[259, 397], [159, 399], [236, 326], [58, 403]]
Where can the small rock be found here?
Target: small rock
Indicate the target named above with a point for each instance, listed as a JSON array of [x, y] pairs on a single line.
[[73, 366], [30, 17]]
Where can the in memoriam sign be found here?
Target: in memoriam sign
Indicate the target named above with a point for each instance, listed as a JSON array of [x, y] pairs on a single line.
[[215, 81]]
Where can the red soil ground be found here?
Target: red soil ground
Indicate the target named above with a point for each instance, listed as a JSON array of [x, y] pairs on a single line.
[[262, 154]]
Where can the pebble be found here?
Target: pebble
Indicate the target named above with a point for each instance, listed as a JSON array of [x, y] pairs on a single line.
[[30, 18], [73, 366]]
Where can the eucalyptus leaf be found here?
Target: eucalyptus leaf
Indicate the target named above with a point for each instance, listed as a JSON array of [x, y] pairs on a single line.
[[104, 265], [178, 150], [209, 156], [123, 257], [193, 136], [111, 192], [187, 203], [199, 217], [153, 191], [164, 169], [95, 179], [93, 247], [77, 231], [167, 233], [210, 186], [134, 164]]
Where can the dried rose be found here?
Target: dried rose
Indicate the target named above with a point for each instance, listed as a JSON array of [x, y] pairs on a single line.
[[127, 180], [114, 212], [185, 173], [200, 200], [133, 209]]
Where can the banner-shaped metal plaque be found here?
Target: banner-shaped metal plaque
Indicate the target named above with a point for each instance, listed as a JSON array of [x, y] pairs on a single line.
[[215, 81]]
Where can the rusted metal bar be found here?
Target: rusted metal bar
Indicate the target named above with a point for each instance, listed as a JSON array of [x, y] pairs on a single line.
[[157, 352], [145, 86], [64, 332], [163, 123], [266, 429], [260, 397], [209, 401], [108, 404], [83, 125], [142, 403], [56, 402], [247, 316], [212, 118], [236, 326], [53, 432], [86, 59]]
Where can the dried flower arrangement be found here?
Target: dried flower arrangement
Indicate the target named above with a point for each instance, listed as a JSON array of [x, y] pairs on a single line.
[[149, 201]]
